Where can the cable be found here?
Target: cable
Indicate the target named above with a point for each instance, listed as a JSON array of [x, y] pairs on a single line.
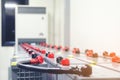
[[23, 65], [27, 65]]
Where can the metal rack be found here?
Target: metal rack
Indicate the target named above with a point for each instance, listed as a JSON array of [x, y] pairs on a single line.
[[22, 74]]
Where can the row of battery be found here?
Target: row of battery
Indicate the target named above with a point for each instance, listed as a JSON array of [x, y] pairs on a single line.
[[84, 70]]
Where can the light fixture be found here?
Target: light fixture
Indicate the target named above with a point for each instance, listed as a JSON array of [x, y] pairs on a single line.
[[10, 5]]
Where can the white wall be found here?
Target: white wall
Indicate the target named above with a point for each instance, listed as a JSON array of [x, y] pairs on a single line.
[[95, 24], [62, 21], [59, 22]]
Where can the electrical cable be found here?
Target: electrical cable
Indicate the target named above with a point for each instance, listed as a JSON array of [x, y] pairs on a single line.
[[27, 65]]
